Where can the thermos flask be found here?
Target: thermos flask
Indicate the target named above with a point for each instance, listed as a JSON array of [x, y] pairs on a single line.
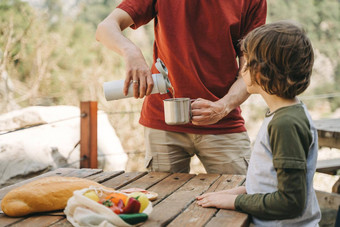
[[113, 90]]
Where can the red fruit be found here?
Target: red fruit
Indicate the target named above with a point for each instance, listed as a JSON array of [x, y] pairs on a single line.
[[132, 206], [116, 209]]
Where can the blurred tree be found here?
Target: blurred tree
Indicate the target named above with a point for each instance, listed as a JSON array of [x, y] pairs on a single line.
[[51, 54], [321, 20]]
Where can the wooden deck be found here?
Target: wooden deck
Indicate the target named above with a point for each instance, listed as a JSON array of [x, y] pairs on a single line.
[[175, 205]]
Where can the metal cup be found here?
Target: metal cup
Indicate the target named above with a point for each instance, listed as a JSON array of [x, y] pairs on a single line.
[[177, 111]]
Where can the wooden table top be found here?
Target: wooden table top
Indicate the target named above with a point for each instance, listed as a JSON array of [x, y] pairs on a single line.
[[175, 205]]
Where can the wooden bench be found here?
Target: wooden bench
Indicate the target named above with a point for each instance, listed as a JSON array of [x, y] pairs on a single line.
[[329, 166], [329, 205], [328, 132], [329, 136]]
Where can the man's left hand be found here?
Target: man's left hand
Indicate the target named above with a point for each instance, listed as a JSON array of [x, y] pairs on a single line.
[[205, 112]]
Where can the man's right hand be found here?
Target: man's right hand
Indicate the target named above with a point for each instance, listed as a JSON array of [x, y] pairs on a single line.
[[109, 33], [138, 73]]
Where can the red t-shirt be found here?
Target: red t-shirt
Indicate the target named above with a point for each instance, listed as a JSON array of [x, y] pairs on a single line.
[[198, 42]]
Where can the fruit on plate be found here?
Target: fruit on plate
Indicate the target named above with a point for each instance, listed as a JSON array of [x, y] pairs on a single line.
[[142, 198], [151, 195], [92, 195]]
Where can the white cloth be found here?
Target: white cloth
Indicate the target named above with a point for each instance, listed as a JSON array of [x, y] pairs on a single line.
[[84, 212]]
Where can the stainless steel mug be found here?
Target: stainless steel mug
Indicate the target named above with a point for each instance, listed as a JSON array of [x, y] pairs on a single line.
[[177, 111]]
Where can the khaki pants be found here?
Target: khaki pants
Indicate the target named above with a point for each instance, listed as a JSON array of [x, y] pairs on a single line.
[[172, 151]]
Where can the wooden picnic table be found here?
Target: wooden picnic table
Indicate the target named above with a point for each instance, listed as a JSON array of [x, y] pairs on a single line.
[[329, 136], [175, 205]]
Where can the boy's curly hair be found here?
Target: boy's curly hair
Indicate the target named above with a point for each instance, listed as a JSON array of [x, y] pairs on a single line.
[[283, 55]]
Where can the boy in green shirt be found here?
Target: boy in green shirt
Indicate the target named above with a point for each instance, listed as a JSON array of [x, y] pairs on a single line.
[[279, 185]]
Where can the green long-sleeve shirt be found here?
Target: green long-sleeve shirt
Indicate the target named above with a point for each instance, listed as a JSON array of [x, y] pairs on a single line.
[[281, 147]]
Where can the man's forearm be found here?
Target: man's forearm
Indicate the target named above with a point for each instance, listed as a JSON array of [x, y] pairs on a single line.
[[237, 93], [109, 32]]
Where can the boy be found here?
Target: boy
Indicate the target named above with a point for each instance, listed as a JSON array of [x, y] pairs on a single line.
[[279, 186]]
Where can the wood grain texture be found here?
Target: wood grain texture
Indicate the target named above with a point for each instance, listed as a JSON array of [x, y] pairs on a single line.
[[169, 208], [175, 205], [195, 215], [328, 132]]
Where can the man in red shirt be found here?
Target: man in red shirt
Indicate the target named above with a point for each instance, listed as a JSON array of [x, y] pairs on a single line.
[[198, 41]]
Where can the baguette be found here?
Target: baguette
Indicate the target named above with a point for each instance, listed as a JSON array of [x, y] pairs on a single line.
[[45, 194]]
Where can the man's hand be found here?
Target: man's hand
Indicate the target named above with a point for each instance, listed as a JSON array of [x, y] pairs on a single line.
[[138, 73], [109, 33], [205, 112]]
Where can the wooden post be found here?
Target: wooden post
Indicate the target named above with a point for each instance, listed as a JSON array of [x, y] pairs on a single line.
[[88, 135]]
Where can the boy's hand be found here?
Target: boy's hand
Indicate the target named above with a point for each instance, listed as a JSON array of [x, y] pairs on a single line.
[[218, 200]]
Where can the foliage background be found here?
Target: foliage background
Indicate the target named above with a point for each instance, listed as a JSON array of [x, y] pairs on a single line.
[[49, 56]]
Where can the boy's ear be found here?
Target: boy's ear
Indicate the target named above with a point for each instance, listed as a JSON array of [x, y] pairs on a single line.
[[257, 77]]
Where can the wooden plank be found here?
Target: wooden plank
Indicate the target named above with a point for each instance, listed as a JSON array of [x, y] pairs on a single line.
[[328, 141], [328, 125], [147, 181], [6, 221], [179, 200], [88, 135], [196, 215], [329, 205], [169, 185], [123, 179], [328, 132], [38, 220], [105, 176], [336, 187], [229, 218], [328, 200], [62, 223], [84, 173], [329, 166]]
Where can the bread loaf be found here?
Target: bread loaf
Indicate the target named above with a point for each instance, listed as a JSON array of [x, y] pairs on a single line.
[[45, 194]]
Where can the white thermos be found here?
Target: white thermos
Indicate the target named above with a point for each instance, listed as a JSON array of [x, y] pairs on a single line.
[[113, 90]]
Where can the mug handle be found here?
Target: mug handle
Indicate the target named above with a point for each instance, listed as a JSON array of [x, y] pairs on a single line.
[[191, 101]]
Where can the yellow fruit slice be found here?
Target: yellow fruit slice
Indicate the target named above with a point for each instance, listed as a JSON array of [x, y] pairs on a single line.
[[91, 195]]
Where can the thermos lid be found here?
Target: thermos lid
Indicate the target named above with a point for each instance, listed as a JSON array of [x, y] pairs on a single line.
[[161, 67], [162, 83]]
